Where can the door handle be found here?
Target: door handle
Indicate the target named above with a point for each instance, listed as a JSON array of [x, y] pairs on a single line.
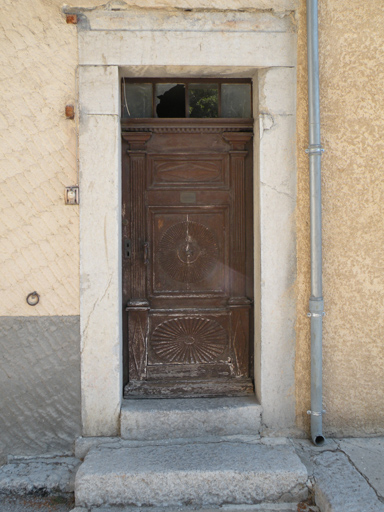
[[146, 253]]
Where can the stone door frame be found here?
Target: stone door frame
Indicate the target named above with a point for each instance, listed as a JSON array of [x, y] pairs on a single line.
[[123, 42]]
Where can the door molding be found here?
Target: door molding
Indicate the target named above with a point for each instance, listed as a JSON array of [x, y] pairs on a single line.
[[268, 56]]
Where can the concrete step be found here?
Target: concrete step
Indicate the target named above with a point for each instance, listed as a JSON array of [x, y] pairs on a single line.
[[192, 417], [191, 473]]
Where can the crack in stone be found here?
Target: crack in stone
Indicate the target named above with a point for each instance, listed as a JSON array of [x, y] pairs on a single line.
[[93, 309], [379, 497], [114, 6], [276, 190]]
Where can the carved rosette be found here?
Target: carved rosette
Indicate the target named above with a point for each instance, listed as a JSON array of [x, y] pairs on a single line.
[[188, 252], [189, 340]]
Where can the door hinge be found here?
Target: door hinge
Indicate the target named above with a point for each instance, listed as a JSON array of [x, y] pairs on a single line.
[[127, 248]]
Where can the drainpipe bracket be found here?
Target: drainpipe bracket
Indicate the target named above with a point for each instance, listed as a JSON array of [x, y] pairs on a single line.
[[314, 149], [316, 307], [314, 413]]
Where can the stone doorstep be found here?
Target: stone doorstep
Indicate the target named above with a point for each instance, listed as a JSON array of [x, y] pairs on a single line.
[[187, 418], [193, 473]]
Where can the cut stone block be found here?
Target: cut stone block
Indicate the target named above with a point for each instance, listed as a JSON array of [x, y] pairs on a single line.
[[186, 418], [191, 473]]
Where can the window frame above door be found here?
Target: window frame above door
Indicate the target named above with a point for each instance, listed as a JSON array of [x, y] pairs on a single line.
[[185, 81]]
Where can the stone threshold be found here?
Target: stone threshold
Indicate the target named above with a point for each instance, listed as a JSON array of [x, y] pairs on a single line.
[[150, 419]]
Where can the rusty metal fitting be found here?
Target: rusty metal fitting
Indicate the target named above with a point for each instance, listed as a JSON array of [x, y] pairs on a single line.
[[72, 19]]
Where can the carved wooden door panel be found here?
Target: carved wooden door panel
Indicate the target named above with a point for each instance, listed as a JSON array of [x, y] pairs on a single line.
[[187, 258]]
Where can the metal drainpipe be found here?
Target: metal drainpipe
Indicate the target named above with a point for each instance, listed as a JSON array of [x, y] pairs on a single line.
[[316, 303]]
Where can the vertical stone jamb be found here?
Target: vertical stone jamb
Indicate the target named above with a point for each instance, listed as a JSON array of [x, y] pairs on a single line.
[[100, 250]]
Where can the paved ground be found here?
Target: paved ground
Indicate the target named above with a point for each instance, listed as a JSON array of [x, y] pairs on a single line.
[[30, 504], [346, 475], [50, 504]]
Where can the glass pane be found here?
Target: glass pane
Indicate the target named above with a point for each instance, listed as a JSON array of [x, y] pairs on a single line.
[[236, 100], [170, 100], [137, 100], [203, 100]]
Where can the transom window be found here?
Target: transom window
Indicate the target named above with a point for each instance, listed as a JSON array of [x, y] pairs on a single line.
[[179, 98]]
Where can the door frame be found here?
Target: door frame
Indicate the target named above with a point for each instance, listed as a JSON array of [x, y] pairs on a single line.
[[268, 56]]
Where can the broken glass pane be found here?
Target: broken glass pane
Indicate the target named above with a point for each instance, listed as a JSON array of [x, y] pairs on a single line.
[[137, 100], [236, 100], [203, 100], [170, 100]]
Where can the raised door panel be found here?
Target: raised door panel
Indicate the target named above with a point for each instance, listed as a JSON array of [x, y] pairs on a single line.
[[178, 142], [190, 251], [188, 338], [188, 170], [189, 344]]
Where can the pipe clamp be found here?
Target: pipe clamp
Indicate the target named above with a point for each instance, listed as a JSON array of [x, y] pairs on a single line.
[[315, 314], [314, 413], [314, 149]]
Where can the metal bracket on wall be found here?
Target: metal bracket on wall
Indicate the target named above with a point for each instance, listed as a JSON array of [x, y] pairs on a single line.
[[314, 413], [314, 149], [309, 314], [71, 195]]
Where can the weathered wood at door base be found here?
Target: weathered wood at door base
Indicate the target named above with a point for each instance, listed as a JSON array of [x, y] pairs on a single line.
[[188, 389]]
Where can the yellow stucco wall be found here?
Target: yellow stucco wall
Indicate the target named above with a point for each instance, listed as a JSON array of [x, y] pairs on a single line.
[[352, 118], [39, 234]]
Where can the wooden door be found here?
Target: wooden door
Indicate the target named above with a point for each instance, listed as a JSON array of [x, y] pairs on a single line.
[[187, 257]]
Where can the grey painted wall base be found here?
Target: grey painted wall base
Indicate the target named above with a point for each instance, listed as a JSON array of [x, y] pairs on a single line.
[[40, 385]]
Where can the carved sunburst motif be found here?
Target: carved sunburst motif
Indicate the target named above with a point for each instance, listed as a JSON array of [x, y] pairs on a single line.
[[188, 252], [189, 340]]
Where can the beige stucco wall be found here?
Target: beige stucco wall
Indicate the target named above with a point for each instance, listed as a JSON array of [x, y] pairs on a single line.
[[39, 234], [352, 117]]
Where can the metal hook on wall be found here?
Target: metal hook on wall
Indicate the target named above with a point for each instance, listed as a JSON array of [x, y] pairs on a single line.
[[33, 298]]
